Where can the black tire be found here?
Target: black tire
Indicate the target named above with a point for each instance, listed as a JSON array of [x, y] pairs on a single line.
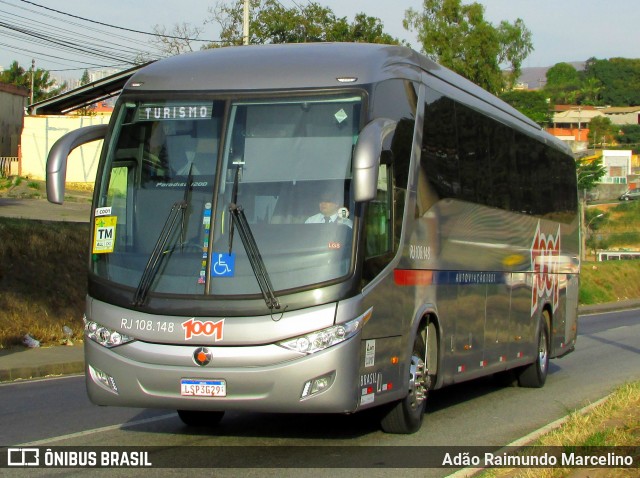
[[535, 375], [195, 418], [405, 416]]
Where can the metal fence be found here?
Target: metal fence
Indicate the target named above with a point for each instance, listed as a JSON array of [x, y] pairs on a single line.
[[7, 167]]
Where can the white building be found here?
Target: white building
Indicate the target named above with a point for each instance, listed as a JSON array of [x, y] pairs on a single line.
[[618, 166]]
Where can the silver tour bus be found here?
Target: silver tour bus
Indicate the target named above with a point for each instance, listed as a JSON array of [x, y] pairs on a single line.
[[320, 228]]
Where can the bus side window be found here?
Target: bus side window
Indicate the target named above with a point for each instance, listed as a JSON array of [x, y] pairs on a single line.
[[378, 232], [377, 222]]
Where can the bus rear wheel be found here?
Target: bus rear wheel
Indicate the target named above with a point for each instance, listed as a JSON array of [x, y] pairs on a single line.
[[194, 418], [535, 374], [406, 415]]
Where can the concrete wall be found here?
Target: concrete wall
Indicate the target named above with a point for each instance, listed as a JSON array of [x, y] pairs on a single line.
[[39, 135], [13, 101]]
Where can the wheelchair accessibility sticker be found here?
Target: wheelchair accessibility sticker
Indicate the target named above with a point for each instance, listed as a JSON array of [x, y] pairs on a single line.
[[224, 265]]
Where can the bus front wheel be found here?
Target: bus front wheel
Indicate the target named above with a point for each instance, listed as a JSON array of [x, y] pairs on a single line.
[[406, 415]]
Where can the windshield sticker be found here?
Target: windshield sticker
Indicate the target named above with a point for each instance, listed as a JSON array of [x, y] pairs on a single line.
[[340, 116], [151, 112], [104, 234], [103, 211], [206, 222], [224, 265]]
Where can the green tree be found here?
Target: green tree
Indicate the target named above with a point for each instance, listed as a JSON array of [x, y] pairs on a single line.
[[563, 84], [530, 103], [89, 110], [589, 172], [458, 37], [43, 85], [85, 79], [590, 91], [620, 80], [272, 22], [629, 134], [601, 131]]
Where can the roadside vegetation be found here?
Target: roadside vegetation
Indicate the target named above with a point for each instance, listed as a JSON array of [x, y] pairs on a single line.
[[614, 422], [18, 187], [613, 227], [42, 279]]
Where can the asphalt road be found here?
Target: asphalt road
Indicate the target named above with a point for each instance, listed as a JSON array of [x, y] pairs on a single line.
[[55, 412]]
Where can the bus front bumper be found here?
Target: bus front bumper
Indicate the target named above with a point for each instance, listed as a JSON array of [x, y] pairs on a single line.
[[146, 375]]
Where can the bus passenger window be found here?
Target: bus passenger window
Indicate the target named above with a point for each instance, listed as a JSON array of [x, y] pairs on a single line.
[[377, 228]]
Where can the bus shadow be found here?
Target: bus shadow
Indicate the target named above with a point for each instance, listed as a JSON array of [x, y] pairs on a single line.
[[463, 392]]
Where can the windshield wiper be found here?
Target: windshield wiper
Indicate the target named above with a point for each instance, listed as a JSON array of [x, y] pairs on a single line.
[[160, 248], [185, 212], [239, 221], [155, 259]]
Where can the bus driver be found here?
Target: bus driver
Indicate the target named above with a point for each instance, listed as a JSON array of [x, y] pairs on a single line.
[[330, 212]]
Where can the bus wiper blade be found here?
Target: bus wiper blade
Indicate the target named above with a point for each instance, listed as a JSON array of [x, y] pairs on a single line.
[[234, 201], [155, 259], [185, 211], [239, 221], [255, 258]]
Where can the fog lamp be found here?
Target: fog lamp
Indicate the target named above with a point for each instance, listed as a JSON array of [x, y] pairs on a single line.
[[105, 380], [317, 385]]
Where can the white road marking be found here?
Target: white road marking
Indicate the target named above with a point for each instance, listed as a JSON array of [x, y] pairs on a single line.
[[97, 430]]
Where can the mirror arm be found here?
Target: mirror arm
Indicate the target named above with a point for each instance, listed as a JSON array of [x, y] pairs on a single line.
[[57, 158]]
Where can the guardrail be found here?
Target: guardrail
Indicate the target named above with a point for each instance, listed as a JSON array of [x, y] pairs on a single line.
[[6, 163]]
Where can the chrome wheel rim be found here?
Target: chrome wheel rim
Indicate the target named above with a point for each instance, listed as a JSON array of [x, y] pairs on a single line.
[[417, 382], [542, 352]]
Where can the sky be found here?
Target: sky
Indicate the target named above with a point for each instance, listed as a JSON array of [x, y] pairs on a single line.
[[566, 30]]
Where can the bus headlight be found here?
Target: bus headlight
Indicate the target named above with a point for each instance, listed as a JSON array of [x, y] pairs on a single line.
[[103, 335], [321, 339]]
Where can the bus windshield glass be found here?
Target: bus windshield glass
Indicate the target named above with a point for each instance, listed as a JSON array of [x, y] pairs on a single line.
[[175, 169]]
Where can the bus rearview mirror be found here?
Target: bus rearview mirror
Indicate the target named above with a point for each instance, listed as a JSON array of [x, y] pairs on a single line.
[[366, 158]]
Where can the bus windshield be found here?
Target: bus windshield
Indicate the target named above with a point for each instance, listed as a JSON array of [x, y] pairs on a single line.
[[175, 170]]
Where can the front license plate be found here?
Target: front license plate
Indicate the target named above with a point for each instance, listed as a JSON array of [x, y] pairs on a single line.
[[203, 388]]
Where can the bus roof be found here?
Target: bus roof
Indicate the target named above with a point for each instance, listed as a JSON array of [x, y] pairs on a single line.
[[303, 65], [277, 66]]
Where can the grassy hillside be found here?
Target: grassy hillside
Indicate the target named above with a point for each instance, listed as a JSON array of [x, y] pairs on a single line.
[[609, 281], [614, 226], [42, 279]]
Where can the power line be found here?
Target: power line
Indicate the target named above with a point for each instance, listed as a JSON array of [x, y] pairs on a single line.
[[37, 55], [111, 35], [67, 23], [49, 38], [88, 41], [63, 43], [117, 27]]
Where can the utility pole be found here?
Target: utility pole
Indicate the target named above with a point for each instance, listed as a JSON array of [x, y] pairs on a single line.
[[33, 72], [245, 24]]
